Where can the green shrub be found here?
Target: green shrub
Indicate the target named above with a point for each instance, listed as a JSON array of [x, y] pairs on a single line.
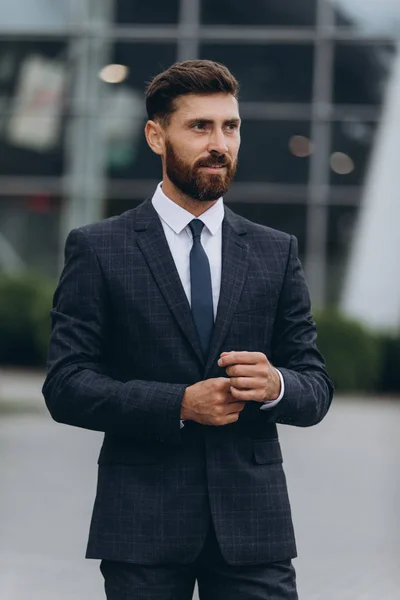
[[25, 302], [389, 380], [352, 353]]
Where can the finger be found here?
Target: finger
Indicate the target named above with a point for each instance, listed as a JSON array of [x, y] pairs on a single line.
[[256, 394], [245, 383], [243, 358], [235, 407], [243, 371], [222, 383], [231, 418]]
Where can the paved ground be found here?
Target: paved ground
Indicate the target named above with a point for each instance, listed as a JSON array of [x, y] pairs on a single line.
[[343, 479]]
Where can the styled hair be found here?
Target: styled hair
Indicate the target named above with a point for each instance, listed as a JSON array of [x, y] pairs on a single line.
[[187, 77]]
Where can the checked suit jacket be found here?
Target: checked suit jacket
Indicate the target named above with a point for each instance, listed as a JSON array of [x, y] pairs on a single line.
[[123, 350]]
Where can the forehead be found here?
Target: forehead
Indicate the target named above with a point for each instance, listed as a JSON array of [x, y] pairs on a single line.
[[206, 106]]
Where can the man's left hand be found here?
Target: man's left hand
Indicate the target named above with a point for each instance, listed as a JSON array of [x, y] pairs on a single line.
[[252, 376]]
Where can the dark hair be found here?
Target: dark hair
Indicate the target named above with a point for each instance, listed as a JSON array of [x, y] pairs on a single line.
[[188, 77]]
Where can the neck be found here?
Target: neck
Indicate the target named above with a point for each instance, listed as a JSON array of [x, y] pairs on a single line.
[[195, 207]]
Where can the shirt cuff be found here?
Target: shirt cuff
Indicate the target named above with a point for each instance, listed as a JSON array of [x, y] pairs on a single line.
[[182, 424], [271, 403]]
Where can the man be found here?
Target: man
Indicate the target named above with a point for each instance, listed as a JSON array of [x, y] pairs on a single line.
[[183, 332]]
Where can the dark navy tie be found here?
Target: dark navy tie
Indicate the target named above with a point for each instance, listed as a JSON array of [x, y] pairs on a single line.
[[201, 290]]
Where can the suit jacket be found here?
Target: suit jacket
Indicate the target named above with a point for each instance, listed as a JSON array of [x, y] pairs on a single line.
[[123, 350]]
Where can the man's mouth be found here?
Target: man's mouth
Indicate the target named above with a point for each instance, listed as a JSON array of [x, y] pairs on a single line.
[[213, 167]]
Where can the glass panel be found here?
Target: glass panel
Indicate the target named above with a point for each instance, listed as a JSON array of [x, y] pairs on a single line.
[[128, 155], [33, 73], [124, 110], [274, 151], [255, 12], [29, 231], [32, 15], [285, 217], [116, 206], [267, 73], [361, 73], [150, 11], [370, 16], [341, 221], [31, 146], [352, 142], [33, 83], [141, 63]]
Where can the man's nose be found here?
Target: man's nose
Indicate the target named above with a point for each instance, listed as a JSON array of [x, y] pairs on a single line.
[[217, 143]]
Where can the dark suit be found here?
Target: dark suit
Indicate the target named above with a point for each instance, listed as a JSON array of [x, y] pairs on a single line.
[[124, 348]]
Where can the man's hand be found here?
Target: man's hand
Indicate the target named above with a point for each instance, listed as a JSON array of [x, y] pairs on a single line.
[[252, 376], [210, 402]]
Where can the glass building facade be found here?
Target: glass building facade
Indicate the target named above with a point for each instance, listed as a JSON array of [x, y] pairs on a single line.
[[313, 76]]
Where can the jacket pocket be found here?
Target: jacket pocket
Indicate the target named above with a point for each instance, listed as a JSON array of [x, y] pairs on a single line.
[[128, 454], [267, 452]]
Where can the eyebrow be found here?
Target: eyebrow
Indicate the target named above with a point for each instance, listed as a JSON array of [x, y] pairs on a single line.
[[211, 121]]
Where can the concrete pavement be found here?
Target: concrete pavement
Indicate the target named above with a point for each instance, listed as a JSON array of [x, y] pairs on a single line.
[[343, 478]]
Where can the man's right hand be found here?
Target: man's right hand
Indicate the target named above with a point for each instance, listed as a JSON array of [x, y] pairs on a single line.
[[210, 402]]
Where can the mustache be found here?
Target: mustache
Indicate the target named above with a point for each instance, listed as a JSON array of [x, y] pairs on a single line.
[[220, 161]]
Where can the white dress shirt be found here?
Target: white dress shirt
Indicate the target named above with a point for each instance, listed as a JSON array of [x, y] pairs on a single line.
[[175, 221]]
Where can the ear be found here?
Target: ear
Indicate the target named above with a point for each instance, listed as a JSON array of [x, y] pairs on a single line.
[[155, 136]]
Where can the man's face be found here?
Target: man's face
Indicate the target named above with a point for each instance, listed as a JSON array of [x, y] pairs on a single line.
[[202, 143]]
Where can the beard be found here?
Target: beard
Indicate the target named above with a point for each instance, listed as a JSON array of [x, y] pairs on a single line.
[[195, 183]]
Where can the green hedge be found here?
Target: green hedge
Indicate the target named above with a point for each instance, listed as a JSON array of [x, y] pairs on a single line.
[[389, 380], [25, 303], [352, 353]]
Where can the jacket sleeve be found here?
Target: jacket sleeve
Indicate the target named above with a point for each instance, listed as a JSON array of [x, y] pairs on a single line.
[[77, 389], [308, 389]]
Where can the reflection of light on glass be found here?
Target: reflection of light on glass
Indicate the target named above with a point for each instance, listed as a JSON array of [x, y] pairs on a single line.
[[300, 146], [114, 73], [341, 163], [36, 110]]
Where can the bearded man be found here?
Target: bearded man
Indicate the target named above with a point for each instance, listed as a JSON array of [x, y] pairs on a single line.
[[183, 332]]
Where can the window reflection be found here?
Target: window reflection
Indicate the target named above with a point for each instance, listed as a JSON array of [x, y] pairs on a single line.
[[258, 12], [267, 73], [361, 72], [33, 86], [142, 61], [267, 155], [29, 226], [31, 147], [352, 143], [15, 59], [128, 155], [285, 217], [148, 11]]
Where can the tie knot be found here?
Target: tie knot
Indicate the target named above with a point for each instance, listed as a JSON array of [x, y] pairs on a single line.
[[196, 227]]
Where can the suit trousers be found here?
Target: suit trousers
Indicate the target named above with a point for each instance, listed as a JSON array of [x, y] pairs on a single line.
[[215, 578]]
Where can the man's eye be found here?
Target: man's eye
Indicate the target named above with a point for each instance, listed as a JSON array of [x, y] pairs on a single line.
[[199, 126], [232, 126]]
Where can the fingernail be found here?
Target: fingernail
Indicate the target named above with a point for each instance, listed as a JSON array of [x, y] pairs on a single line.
[[220, 362]]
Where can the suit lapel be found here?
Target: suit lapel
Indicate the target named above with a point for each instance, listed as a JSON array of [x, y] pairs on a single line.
[[154, 246], [233, 276]]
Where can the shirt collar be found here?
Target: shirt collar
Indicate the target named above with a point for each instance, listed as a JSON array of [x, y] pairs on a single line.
[[178, 218]]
